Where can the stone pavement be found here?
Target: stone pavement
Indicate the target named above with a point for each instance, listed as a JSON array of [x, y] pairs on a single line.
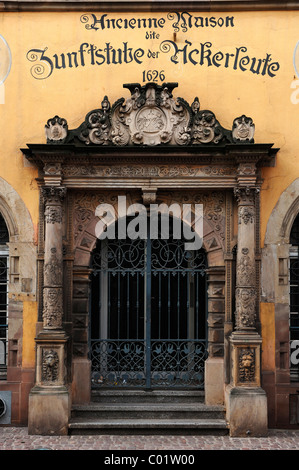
[[17, 438]]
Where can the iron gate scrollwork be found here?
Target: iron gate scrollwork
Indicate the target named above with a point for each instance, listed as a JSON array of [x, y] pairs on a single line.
[[148, 314]]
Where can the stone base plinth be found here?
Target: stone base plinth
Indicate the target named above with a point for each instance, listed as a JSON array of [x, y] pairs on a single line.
[[49, 411], [214, 381], [246, 411]]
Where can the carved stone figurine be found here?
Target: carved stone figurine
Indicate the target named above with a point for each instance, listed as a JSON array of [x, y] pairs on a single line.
[[246, 364], [50, 366]]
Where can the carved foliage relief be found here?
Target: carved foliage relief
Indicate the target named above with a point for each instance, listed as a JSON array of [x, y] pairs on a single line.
[[246, 215], [53, 214], [53, 194], [53, 270], [152, 171], [52, 307]]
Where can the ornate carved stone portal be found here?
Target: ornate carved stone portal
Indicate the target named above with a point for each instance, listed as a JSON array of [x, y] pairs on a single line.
[[153, 148]]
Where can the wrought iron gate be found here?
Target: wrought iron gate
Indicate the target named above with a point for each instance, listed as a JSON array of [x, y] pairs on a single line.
[[148, 314]]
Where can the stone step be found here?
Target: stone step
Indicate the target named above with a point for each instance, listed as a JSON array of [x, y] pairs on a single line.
[[148, 410], [156, 396], [82, 426]]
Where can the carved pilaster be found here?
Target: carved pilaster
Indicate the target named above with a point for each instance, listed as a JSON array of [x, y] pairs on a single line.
[[50, 395], [53, 263], [246, 400], [51, 341], [246, 295], [245, 340]]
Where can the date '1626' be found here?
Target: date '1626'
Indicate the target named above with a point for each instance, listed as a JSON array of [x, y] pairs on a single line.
[[153, 75]]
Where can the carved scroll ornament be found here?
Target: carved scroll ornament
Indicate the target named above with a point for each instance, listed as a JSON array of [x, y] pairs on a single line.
[[150, 116]]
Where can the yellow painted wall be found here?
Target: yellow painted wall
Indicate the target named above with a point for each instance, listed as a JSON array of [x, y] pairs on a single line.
[[74, 91], [267, 318], [29, 333]]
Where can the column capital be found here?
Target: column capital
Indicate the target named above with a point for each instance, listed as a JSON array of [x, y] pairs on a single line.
[[53, 194], [246, 194]]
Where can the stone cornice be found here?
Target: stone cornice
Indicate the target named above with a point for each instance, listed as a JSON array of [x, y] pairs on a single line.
[[149, 6], [200, 167], [228, 154]]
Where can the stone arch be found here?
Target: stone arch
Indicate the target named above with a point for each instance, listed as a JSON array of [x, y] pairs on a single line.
[[86, 221], [9, 220], [275, 253], [15, 213], [283, 215], [22, 269], [22, 248], [289, 220]]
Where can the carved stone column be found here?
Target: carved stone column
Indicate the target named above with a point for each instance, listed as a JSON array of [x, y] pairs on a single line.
[[49, 399], [247, 404], [53, 263], [246, 295]]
